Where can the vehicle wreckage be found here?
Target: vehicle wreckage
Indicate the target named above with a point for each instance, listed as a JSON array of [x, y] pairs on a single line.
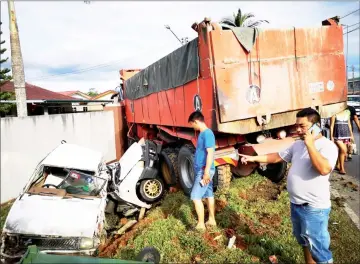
[[64, 205]]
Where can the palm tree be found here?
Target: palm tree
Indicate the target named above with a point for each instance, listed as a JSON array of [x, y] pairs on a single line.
[[242, 20]]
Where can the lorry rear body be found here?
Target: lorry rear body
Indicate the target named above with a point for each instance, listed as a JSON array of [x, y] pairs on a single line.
[[246, 82]]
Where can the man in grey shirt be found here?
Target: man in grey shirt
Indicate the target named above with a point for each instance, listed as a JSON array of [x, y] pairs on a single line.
[[312, 160]]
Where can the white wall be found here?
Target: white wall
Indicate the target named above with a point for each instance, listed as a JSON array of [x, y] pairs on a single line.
[[25, 141]]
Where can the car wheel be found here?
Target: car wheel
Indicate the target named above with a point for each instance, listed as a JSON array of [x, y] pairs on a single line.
[[149, 254], [186, 168], [151, 190], [274, 172]]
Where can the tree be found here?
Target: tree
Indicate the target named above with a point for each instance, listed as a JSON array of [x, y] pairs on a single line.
[[242, 20], [4, 76], [92, 92], [6, 108]]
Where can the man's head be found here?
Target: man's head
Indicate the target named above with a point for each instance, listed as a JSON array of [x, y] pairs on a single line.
[[196, 120], [305, 119]]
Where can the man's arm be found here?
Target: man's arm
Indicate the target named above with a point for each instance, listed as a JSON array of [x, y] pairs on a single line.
[[319, 162], [351, 132], [210, 148], [268, 158], [209, 159], [332, 125], [356, 120]]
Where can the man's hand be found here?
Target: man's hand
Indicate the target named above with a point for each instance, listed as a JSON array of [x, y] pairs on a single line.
[[245, 159], [309, 138], [206, 178]]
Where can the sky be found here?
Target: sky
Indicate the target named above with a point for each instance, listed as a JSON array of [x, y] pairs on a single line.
[[96, 40]]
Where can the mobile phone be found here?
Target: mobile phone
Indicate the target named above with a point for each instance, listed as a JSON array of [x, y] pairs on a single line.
[[317, 130]]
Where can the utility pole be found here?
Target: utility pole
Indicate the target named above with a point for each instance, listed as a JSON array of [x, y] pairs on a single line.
[[17, 63], [183, 41], [168, 27]]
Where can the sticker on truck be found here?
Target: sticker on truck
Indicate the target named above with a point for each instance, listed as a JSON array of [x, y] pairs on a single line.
[[316, 87]]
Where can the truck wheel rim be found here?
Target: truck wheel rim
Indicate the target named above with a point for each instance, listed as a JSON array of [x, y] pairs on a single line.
[[166, 172], [152, 188], [188, 170]]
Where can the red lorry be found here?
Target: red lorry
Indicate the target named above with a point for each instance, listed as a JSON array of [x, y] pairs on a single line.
[[248, 83]]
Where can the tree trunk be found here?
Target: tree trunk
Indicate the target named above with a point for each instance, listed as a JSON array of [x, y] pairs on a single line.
[[17, 63]]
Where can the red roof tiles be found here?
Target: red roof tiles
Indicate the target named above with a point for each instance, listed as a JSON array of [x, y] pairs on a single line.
[[34, 92]]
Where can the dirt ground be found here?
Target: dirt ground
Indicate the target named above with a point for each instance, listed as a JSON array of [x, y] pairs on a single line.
[[348, 188]]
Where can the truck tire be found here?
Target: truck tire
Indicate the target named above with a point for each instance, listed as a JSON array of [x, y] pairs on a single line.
[[151, 190], [224, 176], [169, 166], [274, 172], [186, 168]]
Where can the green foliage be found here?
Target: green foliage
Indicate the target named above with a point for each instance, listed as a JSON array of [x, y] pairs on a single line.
[[242, 20], [4, 76], [6, 108], [92, 92], [4, 210]]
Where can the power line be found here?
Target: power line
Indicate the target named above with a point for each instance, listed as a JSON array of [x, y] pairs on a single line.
[[350, 13], [353, 24], [76, 71], [85, 69], [351, 31]]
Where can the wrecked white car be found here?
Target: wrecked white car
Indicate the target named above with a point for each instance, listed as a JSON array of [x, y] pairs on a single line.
[[62, 207]]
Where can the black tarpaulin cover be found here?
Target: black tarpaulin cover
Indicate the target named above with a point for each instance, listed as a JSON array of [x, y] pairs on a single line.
[[176, 69]]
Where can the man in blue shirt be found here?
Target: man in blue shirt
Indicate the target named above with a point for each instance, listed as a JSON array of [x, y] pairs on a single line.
[[204, 171]]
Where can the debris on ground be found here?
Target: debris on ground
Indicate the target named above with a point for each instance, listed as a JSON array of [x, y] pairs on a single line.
[[351, 185], [127, 226], [112, 245], [231, 242], [273, 259], [220, 205], [340, 201], [265, 190]]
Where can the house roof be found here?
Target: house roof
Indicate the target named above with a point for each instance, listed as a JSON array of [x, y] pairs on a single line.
[[103, 94], [72, 93], [34, 92]]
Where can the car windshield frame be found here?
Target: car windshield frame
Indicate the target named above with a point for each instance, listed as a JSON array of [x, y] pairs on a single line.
[[99, 184], [81, 174]]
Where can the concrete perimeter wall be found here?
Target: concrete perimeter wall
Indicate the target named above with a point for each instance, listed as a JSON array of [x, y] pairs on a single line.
[[26, 141]]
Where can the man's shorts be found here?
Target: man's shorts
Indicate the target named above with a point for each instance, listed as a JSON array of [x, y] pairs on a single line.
[[198, 192], [310, 227]]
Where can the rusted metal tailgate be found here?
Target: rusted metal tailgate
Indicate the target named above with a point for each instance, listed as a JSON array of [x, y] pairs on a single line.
[[286, 70]]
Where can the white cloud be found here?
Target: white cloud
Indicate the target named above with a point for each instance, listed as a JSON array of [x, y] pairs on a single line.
[[65, 34]]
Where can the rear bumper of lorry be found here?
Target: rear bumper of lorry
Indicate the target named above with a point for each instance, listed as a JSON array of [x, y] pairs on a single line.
[[279, 120]]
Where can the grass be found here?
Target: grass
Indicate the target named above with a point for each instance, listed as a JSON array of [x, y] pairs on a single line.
[[254, 210], [4, 210]]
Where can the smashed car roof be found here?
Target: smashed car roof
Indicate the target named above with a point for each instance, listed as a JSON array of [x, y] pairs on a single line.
[[74, 157]]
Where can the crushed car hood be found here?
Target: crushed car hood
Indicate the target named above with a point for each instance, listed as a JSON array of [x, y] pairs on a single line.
[[53, 216]]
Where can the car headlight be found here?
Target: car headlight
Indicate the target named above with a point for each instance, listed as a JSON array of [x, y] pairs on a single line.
[[86, 243]]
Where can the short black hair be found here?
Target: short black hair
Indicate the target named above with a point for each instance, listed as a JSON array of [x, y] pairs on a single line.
[[197, 115], [312, 115]]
